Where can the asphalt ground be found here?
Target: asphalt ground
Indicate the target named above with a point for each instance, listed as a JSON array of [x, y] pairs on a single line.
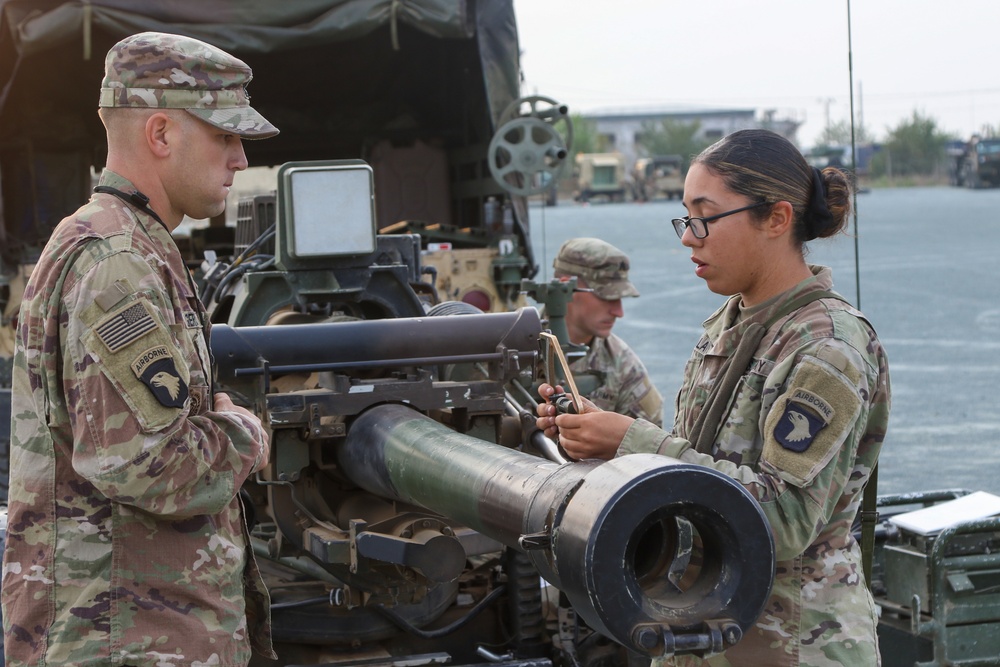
[[928, 265]]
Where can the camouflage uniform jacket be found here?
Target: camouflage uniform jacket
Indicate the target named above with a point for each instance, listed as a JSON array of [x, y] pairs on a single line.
[[126, 542], [626, 388], [802, 434]]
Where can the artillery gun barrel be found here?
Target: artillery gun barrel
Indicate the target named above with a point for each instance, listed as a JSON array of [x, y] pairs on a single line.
[[660, 555], [242, 351]]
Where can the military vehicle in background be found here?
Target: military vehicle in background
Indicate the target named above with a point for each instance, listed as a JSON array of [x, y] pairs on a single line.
[[660, 175], [976, 163], [825, 155], [601, 175], [410, 506]]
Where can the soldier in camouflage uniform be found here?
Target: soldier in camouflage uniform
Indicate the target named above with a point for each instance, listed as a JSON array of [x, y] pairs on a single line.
[[787, 392], [601, 271], [127, 542]]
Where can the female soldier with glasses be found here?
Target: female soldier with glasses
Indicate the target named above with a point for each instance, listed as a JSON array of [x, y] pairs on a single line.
[[787, 392]]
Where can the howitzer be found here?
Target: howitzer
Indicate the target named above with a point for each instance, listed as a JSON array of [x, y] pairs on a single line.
[[404, 513], [616, 537]]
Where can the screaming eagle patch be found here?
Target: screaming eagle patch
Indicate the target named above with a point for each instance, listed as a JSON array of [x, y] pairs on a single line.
[[806, 426], [157, 369], [806, 414]]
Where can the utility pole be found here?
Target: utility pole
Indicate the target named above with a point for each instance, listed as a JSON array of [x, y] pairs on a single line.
[[826, 102], [861, 108]]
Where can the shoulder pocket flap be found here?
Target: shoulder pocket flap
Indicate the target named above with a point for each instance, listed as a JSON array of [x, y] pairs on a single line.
[[152, 376], [807, 423]]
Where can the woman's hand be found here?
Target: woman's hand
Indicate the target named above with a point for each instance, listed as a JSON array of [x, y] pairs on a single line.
[[547, 412], [594, 434]]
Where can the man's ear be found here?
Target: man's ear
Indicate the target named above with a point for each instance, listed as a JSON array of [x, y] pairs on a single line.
[[157, 133], [781, 220]]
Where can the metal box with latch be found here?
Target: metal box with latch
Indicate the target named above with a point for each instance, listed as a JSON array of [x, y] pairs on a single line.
[[940, 596]]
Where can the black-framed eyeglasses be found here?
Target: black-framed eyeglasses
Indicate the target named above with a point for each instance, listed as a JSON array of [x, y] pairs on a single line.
[[699, 226]]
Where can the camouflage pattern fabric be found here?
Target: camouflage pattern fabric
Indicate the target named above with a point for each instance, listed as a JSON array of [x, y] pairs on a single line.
[[803, 433], [627, 388], [153, 70], [601, 265], [126, 542], [15, 286]]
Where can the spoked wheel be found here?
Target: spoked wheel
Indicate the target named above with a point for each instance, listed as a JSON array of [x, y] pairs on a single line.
[[528, 153], [525, 155]]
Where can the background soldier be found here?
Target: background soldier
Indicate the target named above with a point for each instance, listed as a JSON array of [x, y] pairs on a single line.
[[601, 272]]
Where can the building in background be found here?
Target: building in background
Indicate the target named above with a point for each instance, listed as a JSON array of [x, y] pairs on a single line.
[[622, 130]]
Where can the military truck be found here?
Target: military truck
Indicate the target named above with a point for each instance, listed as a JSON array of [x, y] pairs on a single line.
[[659, 175], [976, 164], [600, 175]]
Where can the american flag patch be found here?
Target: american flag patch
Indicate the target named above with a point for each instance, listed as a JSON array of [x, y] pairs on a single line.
[[126, 326]]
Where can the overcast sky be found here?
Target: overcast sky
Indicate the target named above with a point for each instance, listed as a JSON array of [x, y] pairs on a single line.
[[941, 58]]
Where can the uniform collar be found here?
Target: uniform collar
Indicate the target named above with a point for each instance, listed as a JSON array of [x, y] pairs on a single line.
[[155, 230], [726, 325]]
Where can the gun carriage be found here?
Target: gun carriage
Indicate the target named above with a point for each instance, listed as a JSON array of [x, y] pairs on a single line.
[[409, 509]]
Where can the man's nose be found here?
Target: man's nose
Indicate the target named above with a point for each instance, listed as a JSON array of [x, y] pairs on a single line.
[[239, 157], [616, 309]]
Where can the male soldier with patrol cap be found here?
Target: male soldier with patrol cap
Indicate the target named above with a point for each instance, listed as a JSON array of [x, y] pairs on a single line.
[[126, 542], [601, 272]]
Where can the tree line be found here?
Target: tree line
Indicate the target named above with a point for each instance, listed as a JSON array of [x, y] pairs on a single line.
[[915, 148]]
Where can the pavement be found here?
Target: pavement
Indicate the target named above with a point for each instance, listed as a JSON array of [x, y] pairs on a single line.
[[928, 265]]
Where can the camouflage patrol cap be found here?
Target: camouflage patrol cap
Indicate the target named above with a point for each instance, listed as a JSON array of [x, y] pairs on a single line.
[[155, 70], [601, 265]]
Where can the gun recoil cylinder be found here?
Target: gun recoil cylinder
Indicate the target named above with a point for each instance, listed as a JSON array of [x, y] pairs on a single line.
[[241, 351]]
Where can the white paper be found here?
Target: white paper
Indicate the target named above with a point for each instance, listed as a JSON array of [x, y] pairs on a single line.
[[934, 519]]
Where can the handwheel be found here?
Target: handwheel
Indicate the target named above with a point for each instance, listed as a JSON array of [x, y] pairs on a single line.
[[544, 109], [523, 149]]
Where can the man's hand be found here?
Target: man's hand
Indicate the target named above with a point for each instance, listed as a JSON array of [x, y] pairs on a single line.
[[225, 404], [594, 434]]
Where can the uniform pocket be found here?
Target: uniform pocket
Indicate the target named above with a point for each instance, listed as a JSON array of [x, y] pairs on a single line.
[[738, 436], [136, 352]]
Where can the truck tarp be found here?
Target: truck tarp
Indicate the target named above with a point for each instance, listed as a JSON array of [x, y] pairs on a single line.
[[336, 76], [250, 27], [74, 30]]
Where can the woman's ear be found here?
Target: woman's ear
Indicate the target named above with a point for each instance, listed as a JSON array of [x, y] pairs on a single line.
[[781, 220]]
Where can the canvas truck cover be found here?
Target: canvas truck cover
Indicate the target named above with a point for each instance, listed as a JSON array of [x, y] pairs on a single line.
[[337, 77]]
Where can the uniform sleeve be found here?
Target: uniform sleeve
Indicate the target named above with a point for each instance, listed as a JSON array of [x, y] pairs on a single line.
[[811, 436], [137, 393], [810, 443]]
